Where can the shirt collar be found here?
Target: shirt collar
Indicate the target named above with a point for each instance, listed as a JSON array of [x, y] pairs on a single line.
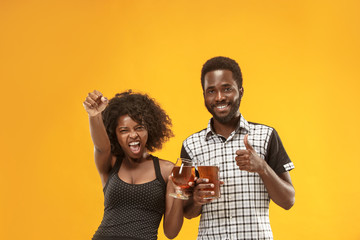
[[243, 124]]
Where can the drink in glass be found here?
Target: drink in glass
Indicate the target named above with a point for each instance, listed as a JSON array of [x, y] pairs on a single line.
[[211, 173], [182, 173]]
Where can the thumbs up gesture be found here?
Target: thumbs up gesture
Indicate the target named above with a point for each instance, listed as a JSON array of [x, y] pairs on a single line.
[[248, 159]]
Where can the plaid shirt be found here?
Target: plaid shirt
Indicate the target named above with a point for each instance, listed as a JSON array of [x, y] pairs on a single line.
[[242, 211]]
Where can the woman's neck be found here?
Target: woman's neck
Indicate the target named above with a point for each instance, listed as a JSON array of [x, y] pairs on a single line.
[[133, 162]]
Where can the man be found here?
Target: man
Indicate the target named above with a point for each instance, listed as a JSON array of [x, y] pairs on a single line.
[[252, 160]]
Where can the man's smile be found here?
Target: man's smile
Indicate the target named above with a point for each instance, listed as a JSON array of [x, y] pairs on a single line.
[[221, 107]]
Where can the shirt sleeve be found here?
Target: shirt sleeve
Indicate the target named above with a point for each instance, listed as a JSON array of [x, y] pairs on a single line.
[[184, 153], [276, 156]]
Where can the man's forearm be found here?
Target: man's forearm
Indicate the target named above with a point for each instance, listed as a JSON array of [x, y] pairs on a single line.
[[280, 188], [191, 210]]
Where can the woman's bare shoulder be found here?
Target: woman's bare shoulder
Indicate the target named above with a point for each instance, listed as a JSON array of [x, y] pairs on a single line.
[[166, 164], [166, 167]]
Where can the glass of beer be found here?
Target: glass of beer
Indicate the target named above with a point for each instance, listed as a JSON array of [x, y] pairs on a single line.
[[211, 173], [182, 173]]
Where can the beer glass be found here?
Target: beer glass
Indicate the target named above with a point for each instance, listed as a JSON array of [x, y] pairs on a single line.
[[182, 173], [211, 173]]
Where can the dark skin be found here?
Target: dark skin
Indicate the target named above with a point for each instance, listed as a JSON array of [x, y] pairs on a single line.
[[222, 98], [137, 166]]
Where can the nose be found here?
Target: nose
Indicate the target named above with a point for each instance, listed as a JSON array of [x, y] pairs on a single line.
[[133, 134], [220, 96]]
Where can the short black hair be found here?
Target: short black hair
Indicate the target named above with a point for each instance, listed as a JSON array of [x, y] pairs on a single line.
[[143, 110], [222, 63]]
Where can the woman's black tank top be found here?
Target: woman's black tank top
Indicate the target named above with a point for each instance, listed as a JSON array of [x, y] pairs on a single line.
[[132, 211]]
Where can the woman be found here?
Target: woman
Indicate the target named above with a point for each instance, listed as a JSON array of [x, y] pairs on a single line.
[[136, 184]]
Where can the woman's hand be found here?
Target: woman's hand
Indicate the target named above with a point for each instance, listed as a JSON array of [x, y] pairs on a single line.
[[95, 103]]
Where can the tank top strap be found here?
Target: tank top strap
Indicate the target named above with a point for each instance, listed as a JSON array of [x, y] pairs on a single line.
[[117, 164], [158, 170]]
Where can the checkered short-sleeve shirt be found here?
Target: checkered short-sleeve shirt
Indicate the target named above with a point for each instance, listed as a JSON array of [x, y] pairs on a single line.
[[242, 211]]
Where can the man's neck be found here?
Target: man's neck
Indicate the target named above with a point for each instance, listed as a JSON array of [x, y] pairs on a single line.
[[225, 129]]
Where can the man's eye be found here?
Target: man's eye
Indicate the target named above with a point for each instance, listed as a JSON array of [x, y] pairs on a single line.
[[210, 91], [228, 89], [123, 131]]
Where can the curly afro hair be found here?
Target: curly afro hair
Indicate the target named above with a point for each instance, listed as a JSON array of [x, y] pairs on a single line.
[[143, 110], [222, 63]]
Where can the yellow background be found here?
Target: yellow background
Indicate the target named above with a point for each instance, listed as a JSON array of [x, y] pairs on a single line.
[[300, 62]]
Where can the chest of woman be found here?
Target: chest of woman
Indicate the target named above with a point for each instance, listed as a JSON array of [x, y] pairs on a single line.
[[149, 195]]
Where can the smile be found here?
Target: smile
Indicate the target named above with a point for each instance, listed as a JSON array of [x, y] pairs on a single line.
[[222, 106]]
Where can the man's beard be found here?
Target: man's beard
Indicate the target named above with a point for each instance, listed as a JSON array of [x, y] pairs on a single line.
[[233, 111]]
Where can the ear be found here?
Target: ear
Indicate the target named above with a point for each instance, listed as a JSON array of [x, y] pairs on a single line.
[[241, 91]]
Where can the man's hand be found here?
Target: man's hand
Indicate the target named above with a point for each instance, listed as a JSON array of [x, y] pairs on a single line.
[[248, 159], [200, 188], [199, 191]]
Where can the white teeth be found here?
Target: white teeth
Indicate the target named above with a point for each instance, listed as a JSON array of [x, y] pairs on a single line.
[[134, 143], [221, 107]]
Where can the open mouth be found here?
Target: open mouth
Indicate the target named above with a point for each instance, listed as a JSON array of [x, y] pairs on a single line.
[[134, 147]]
